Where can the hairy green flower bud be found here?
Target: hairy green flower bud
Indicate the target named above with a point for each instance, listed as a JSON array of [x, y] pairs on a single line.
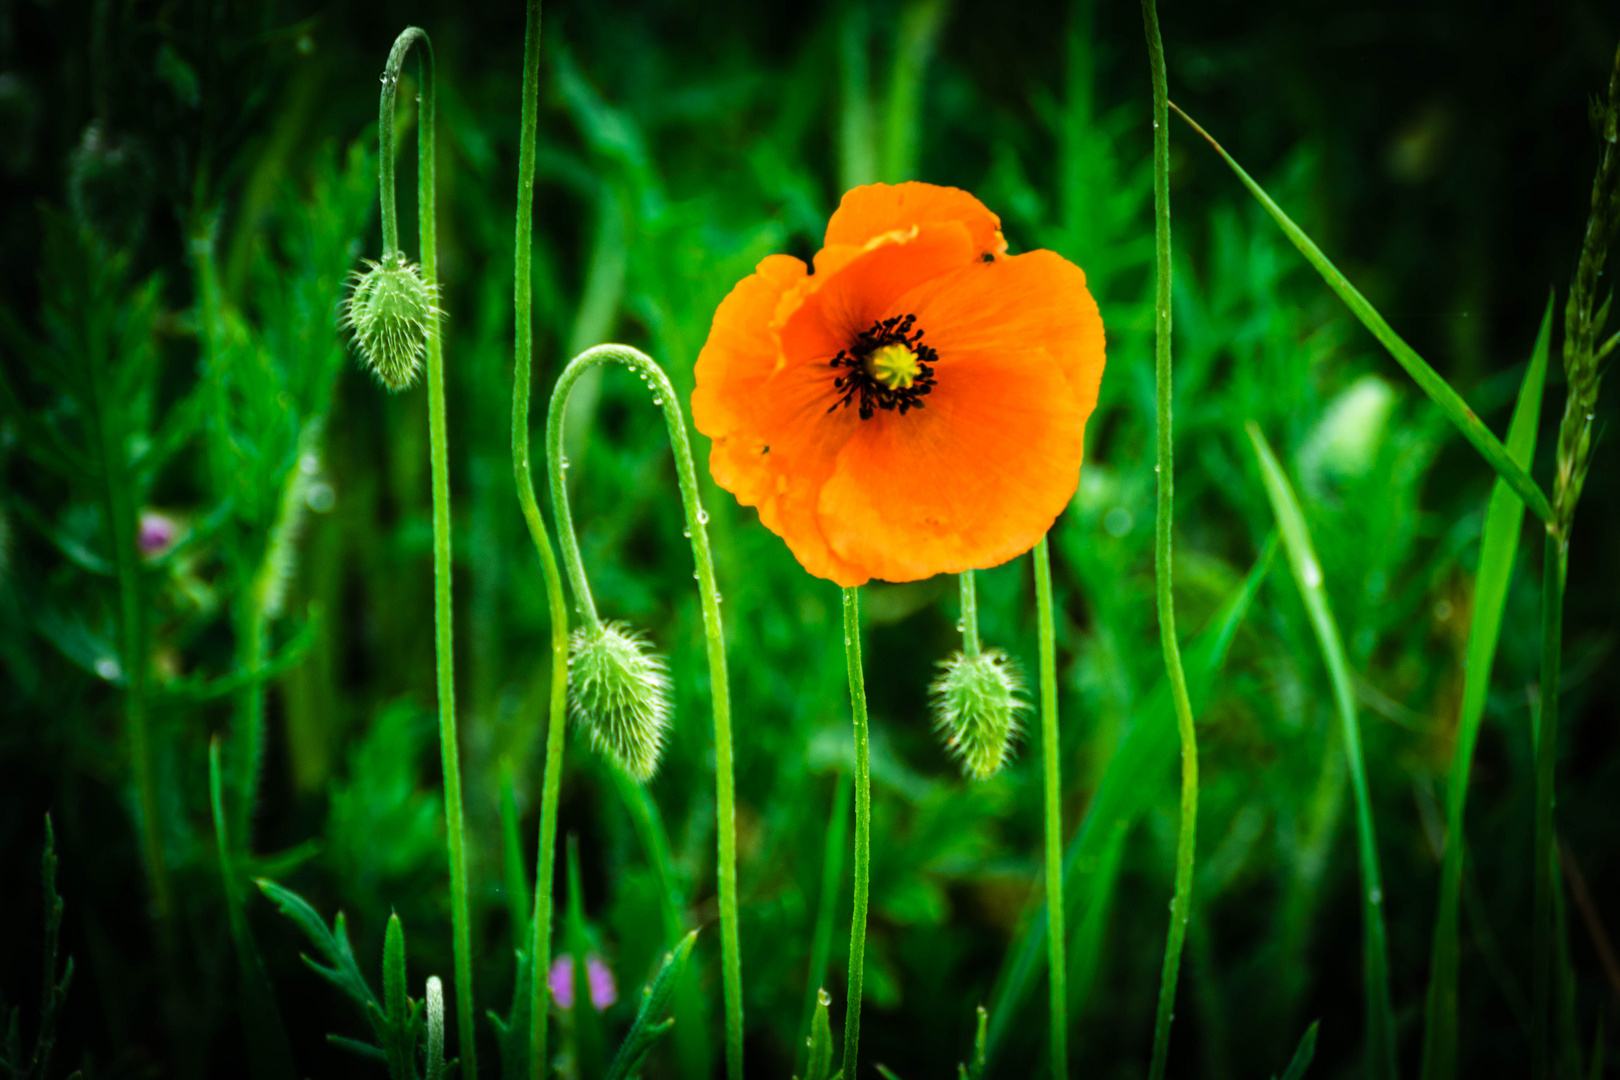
[[618, 690], [391, 311], [977, 705]]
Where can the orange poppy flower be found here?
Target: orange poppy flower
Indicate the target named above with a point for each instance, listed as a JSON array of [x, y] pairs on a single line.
[[917, 405]]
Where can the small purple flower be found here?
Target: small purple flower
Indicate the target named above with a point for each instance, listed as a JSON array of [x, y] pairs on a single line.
[[156, 533], [561, 980]]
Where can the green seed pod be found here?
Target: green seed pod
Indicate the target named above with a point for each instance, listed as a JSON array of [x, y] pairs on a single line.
[[392, 312], [977, 705], [618, 690]]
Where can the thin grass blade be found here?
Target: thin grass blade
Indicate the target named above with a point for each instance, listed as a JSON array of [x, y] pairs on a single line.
[[1307, 570], [1429, 380], [1498, 547]]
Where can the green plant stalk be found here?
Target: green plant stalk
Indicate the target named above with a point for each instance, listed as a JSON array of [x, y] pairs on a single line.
[[523, 316], [970, 614], [251, 631], [1498, 546], [443, 636], [863, 829], [832, 875], [709, 597], [1552, 613], [121, 517], [1428, 380], [1308, 576], [920, 26], [1187, 836], [1056, 967]]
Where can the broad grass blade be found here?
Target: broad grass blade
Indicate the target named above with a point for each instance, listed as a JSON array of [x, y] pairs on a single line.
[[1308, 576], [1498, 547], [1439, 391]]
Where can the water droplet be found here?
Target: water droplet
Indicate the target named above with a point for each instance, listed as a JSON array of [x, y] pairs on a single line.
[[703, 517], [108, 668], [564, 462], [1376, 896], [309, 464], [687, 533], [1311, 573], [657, 400], [960, 626], [717, 596]]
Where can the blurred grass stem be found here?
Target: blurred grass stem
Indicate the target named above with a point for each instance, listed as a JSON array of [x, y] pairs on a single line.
[[1187, 836], [863, 829], [1057, 968], [709, 597]]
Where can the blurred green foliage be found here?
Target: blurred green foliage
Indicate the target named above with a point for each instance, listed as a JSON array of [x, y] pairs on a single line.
[[207, 184]]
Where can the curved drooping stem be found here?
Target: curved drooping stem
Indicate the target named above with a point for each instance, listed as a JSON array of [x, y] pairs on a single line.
[[443, 635], [863, 829], [523, 316], [1187, 838], [1053, 807], [709, 597]]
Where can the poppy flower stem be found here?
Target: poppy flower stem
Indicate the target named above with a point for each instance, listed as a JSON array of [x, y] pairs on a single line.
[[443, 637], [970, 615], [863, 829], [1187, 839], [523, 286], [1054, 813], [709, 596]]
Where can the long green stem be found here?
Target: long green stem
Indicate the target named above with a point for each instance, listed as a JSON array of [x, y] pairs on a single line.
[[1552, 612], [1054, 813], [523, 316], [857, 922], [1187, 840], [709, 597], [863, 829], [443, 635]]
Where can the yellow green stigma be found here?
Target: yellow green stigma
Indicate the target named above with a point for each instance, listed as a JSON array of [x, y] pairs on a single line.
[[895, 366]]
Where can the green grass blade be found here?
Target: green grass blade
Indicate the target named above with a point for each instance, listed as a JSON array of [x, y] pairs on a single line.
[[517, 879], [1498, 547], [1302, 1056], [269, 1055], [1308, 576], [832, 876], [1439, 391]]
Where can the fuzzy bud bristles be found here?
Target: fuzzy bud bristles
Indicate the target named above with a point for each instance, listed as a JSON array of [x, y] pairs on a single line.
[[392, 312], [618, 690], [978, 704]]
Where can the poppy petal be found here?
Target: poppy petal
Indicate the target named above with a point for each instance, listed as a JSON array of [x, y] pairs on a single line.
[[970, 481], [874, 209], [1038, 299]]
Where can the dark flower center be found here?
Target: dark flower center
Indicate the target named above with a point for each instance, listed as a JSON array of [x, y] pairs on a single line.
[[887, 367]]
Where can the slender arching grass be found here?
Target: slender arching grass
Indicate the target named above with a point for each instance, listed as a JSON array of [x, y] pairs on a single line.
[[709, 598], [1429, 380], [1187, 837], [1498, 546], [1308, 576]]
